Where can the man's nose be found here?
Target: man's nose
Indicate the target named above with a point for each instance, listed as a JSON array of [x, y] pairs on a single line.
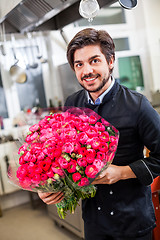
[[87, 69]]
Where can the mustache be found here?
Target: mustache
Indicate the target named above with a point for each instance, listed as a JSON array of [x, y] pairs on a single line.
[[90, 75]]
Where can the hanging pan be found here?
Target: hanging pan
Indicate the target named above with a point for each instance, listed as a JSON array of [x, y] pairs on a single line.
[[17, 73]]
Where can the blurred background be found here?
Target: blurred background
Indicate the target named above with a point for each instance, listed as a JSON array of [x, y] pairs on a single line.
[[35, 77]]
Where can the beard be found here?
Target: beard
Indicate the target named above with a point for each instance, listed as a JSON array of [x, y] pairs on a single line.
[[103, 83]]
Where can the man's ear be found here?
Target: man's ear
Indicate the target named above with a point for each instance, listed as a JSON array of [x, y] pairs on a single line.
[[111, 63]]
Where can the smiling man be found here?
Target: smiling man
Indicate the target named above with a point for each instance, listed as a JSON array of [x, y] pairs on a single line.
[[122, 208]]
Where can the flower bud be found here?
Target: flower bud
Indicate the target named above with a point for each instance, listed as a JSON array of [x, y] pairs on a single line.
[[89, 146], [73, 155], [56, 176], [21, 153], [66, 156], [78, 168], [49, 181], [79, 156]]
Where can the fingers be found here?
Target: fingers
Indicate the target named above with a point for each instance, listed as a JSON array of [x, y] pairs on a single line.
[[51, 198], [103, 180]]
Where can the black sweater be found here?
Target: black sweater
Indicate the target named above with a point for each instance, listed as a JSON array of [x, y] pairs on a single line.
[[125, 208]]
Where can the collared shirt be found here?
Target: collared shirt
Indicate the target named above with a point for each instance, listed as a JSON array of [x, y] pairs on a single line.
[[100, 98]]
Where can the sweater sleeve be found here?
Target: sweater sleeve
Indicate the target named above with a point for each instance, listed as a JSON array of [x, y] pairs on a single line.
[[148, 125]]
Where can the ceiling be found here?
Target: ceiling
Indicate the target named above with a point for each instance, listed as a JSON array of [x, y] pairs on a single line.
[[42, 15]]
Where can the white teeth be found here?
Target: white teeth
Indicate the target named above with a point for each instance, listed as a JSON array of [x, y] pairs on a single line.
[[89, 79]]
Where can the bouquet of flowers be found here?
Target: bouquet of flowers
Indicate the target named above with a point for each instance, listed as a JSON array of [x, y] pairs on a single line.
[[65, 152]]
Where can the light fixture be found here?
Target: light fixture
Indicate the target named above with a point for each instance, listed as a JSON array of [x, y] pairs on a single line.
[[89, 9], [128, 4]]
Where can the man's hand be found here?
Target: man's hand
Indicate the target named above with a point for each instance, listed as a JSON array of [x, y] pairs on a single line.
[[113, 174], [51, 198]]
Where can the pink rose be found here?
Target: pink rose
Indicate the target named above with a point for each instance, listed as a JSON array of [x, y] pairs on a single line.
[[90, 153], [21, 160], [99, 164], [104, 136], [92, 119], [113, 143], [84, 118], [23, 147], [57, 170], [36, 178], [63, 163], [44, 177], [91, 171], [34, 128], [27, 156], [50, 174], [82, 151], [101, 155], [82, 137], [77, 146], [76, 177], [45, 165], [83, 127], [42, 122], [72, 166], [68, 147], [84, 182], [103, 147], [92, 132], [95, 143], [82, 162], [100, 126], [107, 124], [22, 171], [41, 156], [57, 152]]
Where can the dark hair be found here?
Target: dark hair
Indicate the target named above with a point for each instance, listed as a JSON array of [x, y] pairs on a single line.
[[90, 36]]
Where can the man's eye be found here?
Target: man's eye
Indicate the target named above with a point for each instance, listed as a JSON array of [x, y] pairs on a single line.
[[95, 61], [78, 65]]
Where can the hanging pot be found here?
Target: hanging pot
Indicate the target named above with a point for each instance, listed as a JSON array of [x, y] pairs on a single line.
[[17, 73], [128, 4]]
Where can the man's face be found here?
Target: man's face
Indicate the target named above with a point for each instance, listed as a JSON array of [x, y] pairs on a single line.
[[91, 69]]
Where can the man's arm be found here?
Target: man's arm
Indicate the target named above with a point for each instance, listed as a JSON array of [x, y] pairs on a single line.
[[148, 126]]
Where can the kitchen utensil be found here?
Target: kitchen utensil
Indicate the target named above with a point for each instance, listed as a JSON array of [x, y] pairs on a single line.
[[3, 39], [40, 53], [128, 4], [34, 64], [18, 74]]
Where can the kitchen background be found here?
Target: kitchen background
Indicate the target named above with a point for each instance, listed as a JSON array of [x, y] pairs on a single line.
[[34, 72]]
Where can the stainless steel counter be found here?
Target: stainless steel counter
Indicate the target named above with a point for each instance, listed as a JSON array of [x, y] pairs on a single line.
[[73, 222]]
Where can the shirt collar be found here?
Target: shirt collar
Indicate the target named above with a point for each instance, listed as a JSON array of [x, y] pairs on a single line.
[[100, 98]]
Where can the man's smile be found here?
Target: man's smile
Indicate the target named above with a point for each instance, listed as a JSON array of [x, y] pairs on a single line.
[[90, 78]]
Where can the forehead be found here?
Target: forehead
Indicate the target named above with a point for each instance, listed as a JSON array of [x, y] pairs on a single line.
[[87, 52]]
